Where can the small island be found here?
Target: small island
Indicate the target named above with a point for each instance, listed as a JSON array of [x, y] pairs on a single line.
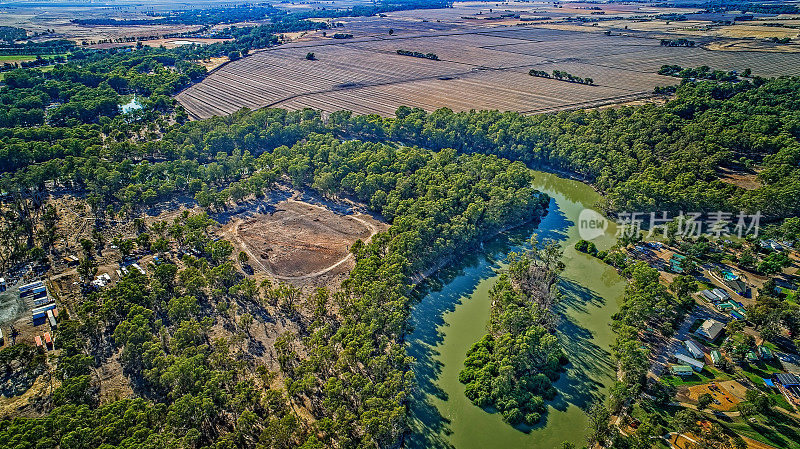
[[513, 367]]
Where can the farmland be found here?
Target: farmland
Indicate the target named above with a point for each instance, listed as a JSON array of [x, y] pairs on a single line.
[[479, 68]]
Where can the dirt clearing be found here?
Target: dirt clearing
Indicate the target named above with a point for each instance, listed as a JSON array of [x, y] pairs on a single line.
[[298, 241]]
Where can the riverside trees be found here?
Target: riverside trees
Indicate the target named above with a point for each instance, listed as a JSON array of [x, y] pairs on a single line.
[[512, 367]]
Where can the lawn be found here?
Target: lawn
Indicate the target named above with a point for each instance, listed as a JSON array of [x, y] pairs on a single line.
[[709, 374]]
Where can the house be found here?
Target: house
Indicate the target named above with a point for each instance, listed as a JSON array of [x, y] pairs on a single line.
[[783, 287], [752, 357], [694, 363], [716, 357], [694, 349], [710, 330], [38, 341], [682, 370], [3, 285], [764, 353], [47, 340]]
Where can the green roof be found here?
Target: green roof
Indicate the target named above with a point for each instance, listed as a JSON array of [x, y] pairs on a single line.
[[682, 369]]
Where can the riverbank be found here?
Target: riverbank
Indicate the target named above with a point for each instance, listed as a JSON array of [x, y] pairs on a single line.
[[452, 316]]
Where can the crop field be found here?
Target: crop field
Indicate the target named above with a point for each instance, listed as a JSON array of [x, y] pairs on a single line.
[[478, 68]]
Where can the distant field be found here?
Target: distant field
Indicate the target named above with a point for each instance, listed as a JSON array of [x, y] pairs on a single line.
[[479, 68]]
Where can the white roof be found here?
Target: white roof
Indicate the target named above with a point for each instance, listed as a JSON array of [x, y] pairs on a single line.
[[696, 364], [710, 329]]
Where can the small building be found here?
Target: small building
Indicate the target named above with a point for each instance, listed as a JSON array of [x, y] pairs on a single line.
[[764, 353], [136, 265], [101, 280], [752, 357], [3, 285], [682, 370], [685, 359], [38, 341], [737, 285], [40, 313], [783, 287], [788, 379], [694, 349], [48, 340], [716, 357], [675, 263], [721, 294], [710, 296], [27, 289], [710, 330], [51, 317]]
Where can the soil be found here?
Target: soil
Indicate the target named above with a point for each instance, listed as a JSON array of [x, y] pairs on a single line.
[[300, 242]]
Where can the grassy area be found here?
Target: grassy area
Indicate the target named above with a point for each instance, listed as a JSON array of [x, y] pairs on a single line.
[[709, 374], [776, 429]]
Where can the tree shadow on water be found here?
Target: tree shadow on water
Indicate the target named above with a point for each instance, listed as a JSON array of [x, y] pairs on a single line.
[[458, 282], [588, 362]]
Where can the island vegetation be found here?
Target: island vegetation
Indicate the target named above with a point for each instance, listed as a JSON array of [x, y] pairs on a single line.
[[512, 368]]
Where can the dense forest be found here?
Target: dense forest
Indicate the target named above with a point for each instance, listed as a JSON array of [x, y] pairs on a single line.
[[444, 180], [512, 368]]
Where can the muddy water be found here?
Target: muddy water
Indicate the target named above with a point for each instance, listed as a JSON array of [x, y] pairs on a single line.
[[453, 314]]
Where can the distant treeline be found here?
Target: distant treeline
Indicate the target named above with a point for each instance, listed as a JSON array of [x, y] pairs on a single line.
[[342, 36], [672, 17], [243, 13], [11, 34], [417, 54], [561, 76], [702, 72], [53, 47], [38, 62], [677, 43]]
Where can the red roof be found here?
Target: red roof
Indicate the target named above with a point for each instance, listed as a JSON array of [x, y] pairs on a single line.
[[47, 338], [38, 340]]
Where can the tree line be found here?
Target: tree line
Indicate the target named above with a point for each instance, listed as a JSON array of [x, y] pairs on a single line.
[[561, 76]]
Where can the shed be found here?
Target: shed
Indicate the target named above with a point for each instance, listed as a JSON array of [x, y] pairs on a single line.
[[716, 357], [38, 340], [695, 364], [694, 349], [682, 370], [51, 317], [764, 352]]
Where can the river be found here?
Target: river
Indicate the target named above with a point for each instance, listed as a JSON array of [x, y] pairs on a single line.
[[453, 313]]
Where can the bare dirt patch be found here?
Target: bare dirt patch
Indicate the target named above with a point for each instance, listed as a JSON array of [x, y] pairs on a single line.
[[747, 181], [294, 240]]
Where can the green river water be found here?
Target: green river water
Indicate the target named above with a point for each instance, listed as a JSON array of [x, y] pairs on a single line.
[[453, 315]]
